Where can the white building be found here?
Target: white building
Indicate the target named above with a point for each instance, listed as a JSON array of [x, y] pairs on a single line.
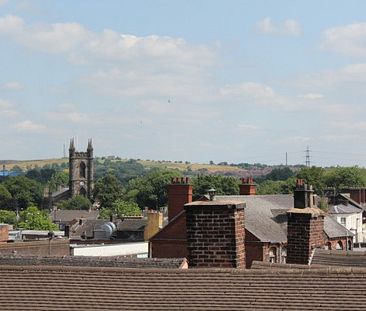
[[350, 217]]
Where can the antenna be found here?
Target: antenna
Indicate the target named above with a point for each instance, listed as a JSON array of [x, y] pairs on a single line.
[[307, 156]]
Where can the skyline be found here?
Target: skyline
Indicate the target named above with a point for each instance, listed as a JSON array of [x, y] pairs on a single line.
[[239, 81]]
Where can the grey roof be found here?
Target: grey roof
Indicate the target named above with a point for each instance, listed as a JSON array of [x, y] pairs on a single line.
[[87, 228], [333, 229], [132, 224], [266, 217], [344, 209], [69, 215]]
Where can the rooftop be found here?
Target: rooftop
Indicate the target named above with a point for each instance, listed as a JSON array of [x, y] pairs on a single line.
[[85, 288]]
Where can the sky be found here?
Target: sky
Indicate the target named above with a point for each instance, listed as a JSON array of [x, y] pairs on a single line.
[[193, 80]]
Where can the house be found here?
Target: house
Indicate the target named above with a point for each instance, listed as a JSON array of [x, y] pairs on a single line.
[[64, 217], [349, 209], [266, 222]]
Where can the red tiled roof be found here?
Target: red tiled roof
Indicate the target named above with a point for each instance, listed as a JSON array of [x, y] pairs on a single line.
[[82, 288]]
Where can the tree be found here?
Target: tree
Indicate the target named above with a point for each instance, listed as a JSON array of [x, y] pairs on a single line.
[[121, 209], [280, 173], [25, 191], [344, 177], [151, 189], [277, 186], [8, 217], [313, 176], [34, 219], [58, 179], [78, 202], [224, 185], [107, 190]]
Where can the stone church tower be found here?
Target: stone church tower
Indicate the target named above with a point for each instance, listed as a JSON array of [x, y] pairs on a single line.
[[81, 171]]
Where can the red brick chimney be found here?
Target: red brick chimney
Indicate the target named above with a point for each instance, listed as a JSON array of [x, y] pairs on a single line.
[[215, 234], [247, 186], [305, 226], [179, 193], [355, 194]]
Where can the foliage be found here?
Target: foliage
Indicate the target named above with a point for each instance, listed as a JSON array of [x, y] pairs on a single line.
[[34, 219], [123, 170], [4, 193], [78, 202], [58, 179], [107, 190], [343, 177], [313, 176], [120, 209], [25, 191], [276, 186], [8, 217], [150, 190], [222, 184], [280, 173]]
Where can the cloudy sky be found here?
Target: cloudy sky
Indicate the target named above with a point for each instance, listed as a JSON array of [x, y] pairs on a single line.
[[235, 81]]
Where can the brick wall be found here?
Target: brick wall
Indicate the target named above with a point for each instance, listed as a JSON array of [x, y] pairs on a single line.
[[37, 248], [215, 234], [169, 249], [179, 193], [305, 231], [4, 233]]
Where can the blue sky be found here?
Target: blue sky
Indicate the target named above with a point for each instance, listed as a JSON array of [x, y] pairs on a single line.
[[235, 81]]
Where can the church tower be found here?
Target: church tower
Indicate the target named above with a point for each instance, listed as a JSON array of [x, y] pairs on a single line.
[[81, 171]]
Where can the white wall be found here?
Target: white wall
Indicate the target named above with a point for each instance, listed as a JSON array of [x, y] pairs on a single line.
[[139, 249], [354, 224]]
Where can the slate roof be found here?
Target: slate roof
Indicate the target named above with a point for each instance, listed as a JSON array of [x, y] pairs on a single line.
[[339, 258], [343, 209], [69, 215], [132, 224], [333, 229], [86, 230], [266, 217], [85, 288]]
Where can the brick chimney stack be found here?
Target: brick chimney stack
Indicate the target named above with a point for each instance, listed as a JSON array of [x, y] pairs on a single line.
[[215, 234], [247, 186], [179, 193], [305, 225], [356, 194]]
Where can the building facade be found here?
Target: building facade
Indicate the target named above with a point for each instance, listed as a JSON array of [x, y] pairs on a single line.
[[81, 171]]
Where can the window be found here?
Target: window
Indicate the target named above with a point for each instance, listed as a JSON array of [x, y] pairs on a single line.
[[328, 246], [272, 255], [343, 221], [82, 170]]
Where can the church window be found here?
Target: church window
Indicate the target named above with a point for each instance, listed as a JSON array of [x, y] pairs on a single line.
[[82, 170]]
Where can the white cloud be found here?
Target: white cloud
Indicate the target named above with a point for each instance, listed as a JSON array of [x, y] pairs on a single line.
[[311, 96], [3, 2], [349, 39], [247, 89], [289, 27], [7, 109], [29, 126], [248, 127], [81, 45], [12, 85]]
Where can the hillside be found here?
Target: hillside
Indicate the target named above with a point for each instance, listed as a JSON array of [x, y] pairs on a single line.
[[193, 168]]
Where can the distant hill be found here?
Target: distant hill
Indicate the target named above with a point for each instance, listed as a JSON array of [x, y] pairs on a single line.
[[240, 170]]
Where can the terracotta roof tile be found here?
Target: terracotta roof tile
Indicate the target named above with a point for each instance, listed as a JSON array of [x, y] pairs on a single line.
[[82, 288]]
